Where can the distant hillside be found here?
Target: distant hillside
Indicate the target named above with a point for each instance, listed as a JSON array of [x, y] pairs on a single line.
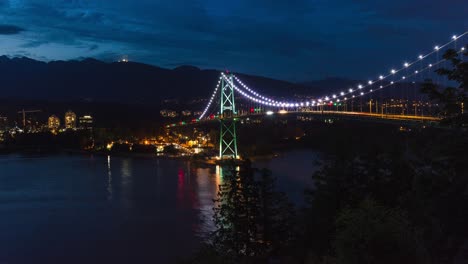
[[93, 80], [136, 83]]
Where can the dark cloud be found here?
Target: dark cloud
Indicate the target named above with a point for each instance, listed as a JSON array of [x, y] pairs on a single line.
[[10, 30], [93, 47], [295, 39]]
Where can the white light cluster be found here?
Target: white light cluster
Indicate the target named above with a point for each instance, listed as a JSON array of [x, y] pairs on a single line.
[[267, 101], [211, 98], [404, 77], [405, 65], [253, 92]]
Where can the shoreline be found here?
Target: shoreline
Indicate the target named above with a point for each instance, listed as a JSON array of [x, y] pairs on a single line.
[[198, 161]]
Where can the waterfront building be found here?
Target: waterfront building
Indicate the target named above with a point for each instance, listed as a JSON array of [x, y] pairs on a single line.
[[86, 122], [53, 123], [70, 120], [168, 113]]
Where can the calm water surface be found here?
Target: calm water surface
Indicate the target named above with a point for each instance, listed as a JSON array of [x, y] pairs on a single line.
[[87, 209]]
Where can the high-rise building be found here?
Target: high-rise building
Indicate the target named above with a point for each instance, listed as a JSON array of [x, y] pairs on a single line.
[[70, 120], [86, 122], [53, 123]]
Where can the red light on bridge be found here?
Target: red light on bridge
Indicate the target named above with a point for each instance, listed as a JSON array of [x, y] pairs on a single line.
[[252, 110], [212, 116]]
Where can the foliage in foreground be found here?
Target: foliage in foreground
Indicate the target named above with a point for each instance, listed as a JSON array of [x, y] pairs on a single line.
[[453, 99], [424, 191], [253, 220]]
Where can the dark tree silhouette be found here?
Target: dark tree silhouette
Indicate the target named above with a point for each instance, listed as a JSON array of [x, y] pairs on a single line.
[[236, 213], [253, 220], [371, 233], [277, 215], [452, 100]]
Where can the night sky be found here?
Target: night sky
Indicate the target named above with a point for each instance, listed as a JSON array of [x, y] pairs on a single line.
[[295, 40]]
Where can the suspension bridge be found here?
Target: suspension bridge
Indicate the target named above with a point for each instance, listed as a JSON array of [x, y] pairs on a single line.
[[349, 102]]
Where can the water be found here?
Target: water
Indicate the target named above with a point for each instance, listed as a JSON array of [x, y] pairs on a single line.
[[88, 209]]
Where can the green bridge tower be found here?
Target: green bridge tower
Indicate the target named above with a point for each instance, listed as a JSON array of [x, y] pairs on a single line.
[[227, 136]]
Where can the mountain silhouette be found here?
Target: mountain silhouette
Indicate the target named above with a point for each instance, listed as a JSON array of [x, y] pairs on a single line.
[[137, 83], [128, 82]]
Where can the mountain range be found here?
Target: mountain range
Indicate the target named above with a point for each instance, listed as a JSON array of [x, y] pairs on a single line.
[[130, 82], [91, 80]]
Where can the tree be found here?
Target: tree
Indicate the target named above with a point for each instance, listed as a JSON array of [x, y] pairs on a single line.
[[452, 100], [253, 220], [346, 180], [236, 212], [371, 233], [438, 199], [277, 214]]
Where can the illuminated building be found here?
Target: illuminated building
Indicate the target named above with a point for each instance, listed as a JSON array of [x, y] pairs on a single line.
[[172, 114], [186, 113], [53, 123], [86, 122], [70, 120], [168, 113]]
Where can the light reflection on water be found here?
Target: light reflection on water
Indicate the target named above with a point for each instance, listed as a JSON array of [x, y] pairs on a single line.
[[112, 208], [208, 186], [109, 177]]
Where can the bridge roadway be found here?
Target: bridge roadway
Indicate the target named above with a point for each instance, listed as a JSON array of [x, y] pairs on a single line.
[[378, 117]]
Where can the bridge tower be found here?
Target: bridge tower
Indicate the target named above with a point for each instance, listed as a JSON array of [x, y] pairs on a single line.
[[227, 136]]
